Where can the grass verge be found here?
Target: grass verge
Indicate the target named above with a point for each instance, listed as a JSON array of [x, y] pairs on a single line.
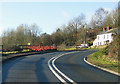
[[67, 49], [100, 59]]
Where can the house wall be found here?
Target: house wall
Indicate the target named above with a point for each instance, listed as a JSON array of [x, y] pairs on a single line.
[[103, 39]]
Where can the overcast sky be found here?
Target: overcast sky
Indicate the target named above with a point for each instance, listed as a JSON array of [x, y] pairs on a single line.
[[47, 15]]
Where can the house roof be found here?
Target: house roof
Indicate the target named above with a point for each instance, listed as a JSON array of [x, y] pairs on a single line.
[[110, 31]]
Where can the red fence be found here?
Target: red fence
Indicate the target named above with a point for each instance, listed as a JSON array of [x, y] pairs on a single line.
[[40, 48]]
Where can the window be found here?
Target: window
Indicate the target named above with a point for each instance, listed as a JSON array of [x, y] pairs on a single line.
[[98, 37], [107, 36], [104, 36]]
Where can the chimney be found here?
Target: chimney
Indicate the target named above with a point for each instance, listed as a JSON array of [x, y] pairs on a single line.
[[108, 28], [104, 29]]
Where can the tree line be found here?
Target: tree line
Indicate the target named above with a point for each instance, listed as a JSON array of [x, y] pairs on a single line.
[[76, 32]]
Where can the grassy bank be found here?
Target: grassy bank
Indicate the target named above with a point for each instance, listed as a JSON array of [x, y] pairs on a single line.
[[14, 52], [9, 55], [67, 49], [100, 58]]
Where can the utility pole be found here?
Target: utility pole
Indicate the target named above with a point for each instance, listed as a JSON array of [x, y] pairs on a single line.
[[85, 33], [76, 35], [85, 36]]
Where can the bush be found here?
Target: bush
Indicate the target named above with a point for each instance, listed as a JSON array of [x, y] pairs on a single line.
[[98, 54], [10, 48], [16, 48], [114, 48]]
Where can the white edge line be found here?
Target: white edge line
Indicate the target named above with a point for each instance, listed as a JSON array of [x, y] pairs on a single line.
[[110, 71], [62, 80]]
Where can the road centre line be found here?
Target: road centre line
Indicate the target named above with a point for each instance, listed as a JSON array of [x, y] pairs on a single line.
[[62, 80], [60, 71], [53, 64]]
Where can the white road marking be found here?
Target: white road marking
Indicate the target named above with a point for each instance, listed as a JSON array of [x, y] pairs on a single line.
[[53, 64], [104, 69], [60, 71], [62, 80]]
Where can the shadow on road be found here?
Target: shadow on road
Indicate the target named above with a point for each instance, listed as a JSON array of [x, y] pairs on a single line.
[[40, 70], [6, 67]]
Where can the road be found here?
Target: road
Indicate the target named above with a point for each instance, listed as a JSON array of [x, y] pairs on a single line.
[[39, 68]]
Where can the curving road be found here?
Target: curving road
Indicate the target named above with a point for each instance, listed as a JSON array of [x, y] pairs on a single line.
[[34, 68], [74, 67]]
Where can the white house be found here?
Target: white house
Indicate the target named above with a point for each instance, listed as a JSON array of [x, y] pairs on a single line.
[[103, 39]]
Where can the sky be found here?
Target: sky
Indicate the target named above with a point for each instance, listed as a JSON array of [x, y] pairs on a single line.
[[47, 15]]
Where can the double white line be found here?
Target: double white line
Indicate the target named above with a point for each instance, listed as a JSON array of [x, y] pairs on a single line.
[[53, 68]]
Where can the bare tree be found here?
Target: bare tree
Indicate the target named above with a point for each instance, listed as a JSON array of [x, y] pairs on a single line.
[[115, 17], [46, 39], [93, 23], [20, 35], [108, 21], [100, 14]]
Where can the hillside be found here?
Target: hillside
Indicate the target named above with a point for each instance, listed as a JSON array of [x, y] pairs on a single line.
[[108, 57]]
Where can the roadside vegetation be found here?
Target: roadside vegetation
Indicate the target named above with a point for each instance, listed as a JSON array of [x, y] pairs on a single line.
[[108, 57], [78, 31]]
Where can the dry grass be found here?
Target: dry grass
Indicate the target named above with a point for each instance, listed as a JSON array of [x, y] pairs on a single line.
[[99, 58]]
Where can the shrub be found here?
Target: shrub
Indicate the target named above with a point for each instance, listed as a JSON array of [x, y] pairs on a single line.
[[114, 48]]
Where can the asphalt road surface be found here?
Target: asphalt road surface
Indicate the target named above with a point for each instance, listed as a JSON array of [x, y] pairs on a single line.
[[41, 68]]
